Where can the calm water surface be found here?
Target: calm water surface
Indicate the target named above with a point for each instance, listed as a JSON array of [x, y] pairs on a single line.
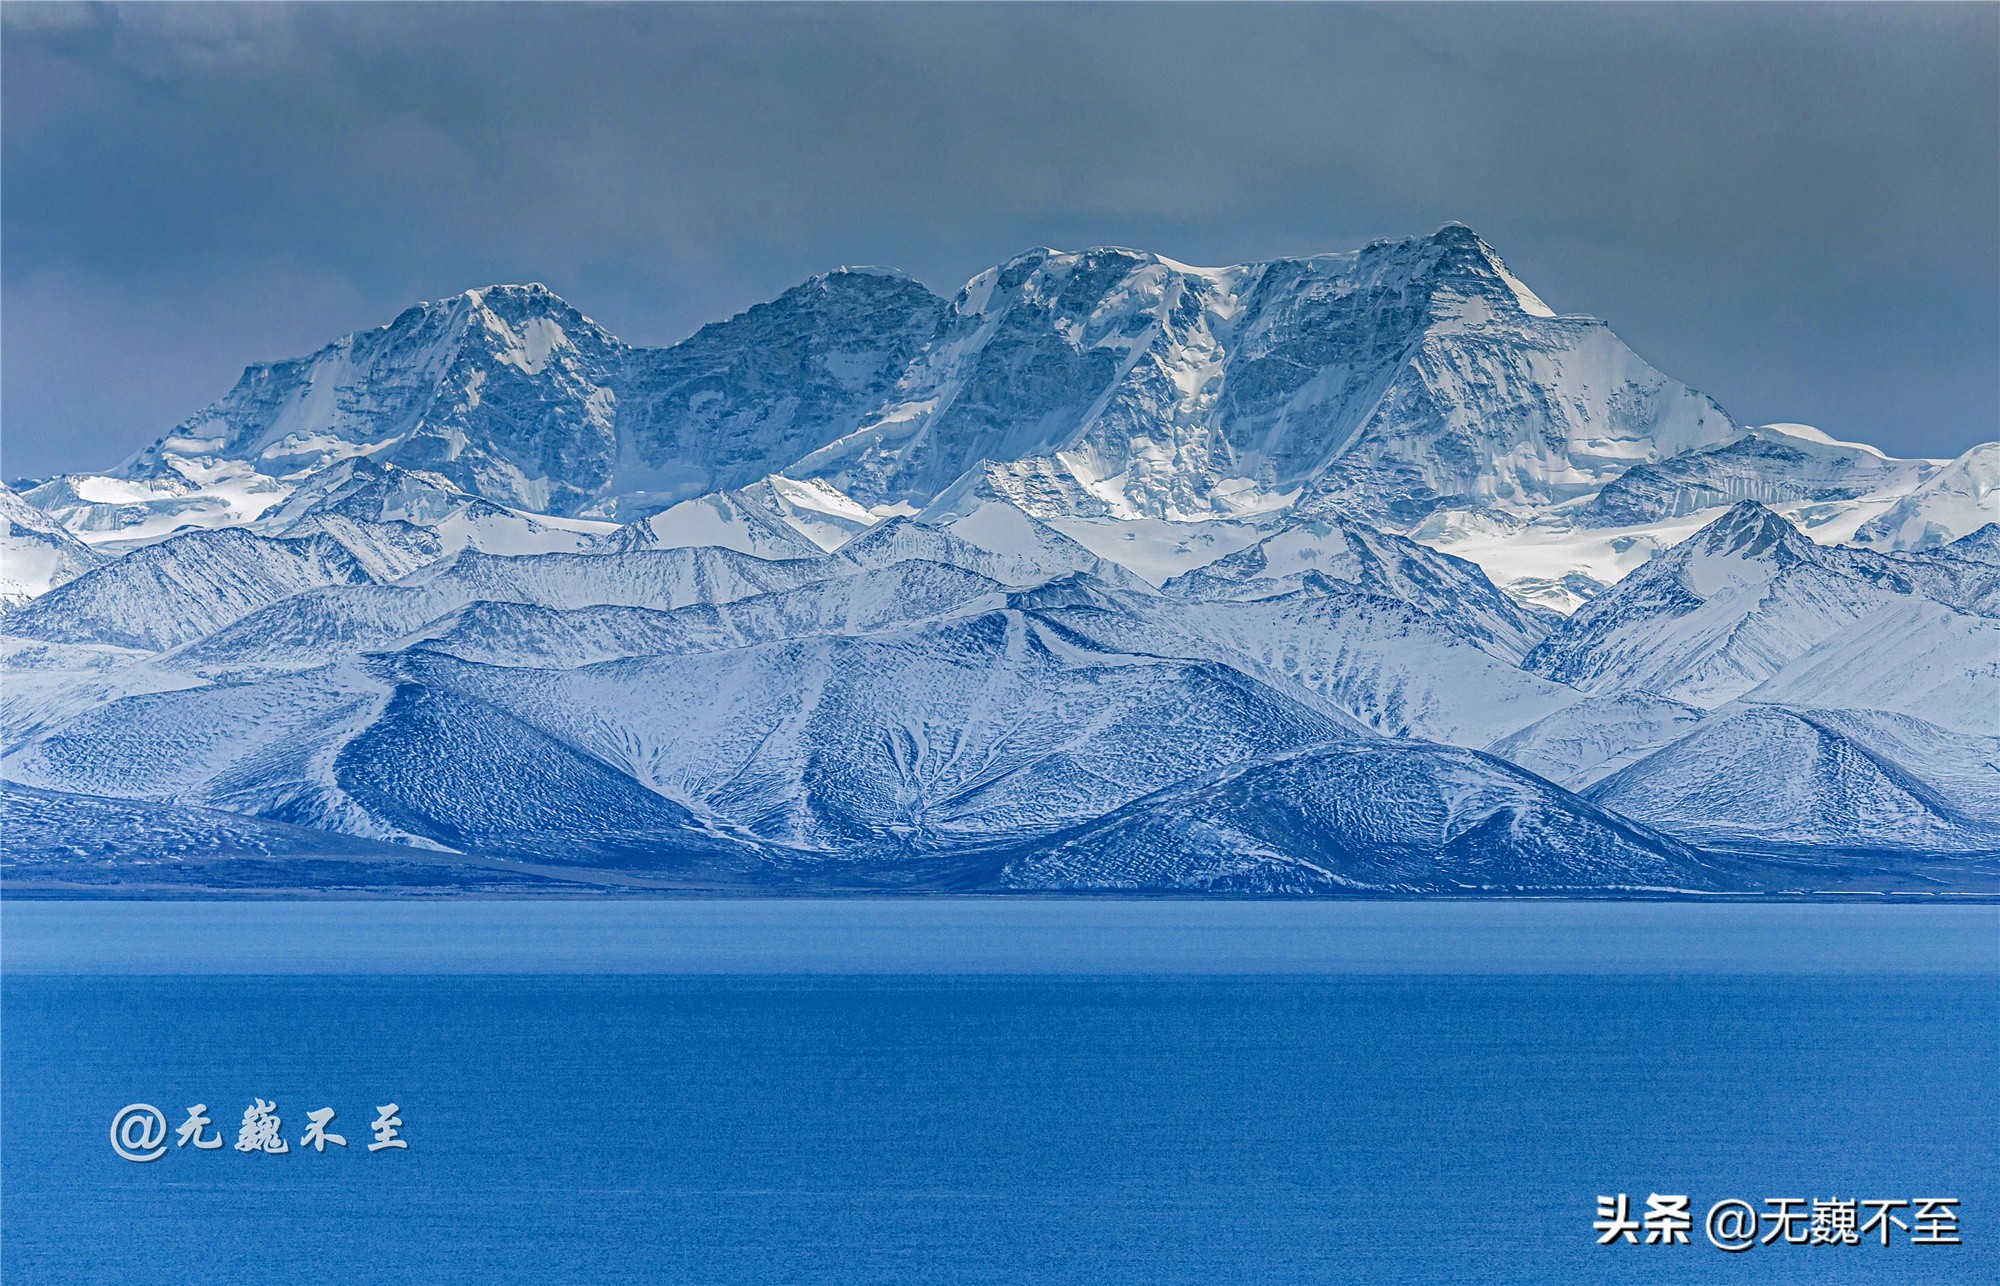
[[991, 1092]]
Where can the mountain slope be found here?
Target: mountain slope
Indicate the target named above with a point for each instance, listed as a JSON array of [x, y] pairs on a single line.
[[36, 553], [1387, 382], [1770, 465], [1582, 743], [1719, 613], [1449, 589], [1772, 776], [313, 628], [184, 588], [743, 398], [1915, 657], [934, 738], [1392, 668], [866, 602], [1380, 817], [1955, 500]]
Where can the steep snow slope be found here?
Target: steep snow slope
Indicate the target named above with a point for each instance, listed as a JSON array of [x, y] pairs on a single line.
[[1595, 737], [1775, 776], [1449, 589], [36, 553], [1915, 657], [743, 398], [1386, 382], [1394, 669], [184, 588], [1384, 817], [1957, 499], [1719, 613]]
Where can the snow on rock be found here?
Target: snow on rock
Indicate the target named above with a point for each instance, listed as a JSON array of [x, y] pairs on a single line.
[[1769, 775], [314, 628], [961, 732], [1382, 663], [1375, 817], [1389, 382], [179, 590], [1593, 738], [1955, 501], [867, 602], [1915, 657], [1718, 614], [1109, 572], [772, 518], [1374, 562], [994, 539], [1775, 465], [36, 553]]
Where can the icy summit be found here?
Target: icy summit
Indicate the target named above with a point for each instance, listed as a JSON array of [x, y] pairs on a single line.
[[1356, 573]]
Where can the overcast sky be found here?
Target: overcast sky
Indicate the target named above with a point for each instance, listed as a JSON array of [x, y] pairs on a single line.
[[1794, 208]]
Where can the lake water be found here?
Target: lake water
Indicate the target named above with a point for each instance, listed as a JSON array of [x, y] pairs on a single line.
[[991, 1091]]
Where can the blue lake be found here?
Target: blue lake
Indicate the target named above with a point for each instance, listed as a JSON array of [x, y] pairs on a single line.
[[992, 1091]]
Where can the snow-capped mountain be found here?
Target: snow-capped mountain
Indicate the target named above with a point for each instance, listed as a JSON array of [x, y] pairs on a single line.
[[1779, 776], [1363, 573], [1391, 381], [507, 391], [1779, 465], [1953, 501], [1302, 552], [1720, 613], [744, 398], [178, 591], [1395, 818], [36, 552]]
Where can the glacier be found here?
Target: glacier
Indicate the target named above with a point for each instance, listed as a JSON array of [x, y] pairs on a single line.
[[1359, 574]]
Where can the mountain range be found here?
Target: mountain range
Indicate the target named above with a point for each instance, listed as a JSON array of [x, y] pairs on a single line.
[[1364, 573]]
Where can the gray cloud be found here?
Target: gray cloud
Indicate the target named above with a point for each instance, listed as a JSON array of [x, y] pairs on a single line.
[[1789, 206]]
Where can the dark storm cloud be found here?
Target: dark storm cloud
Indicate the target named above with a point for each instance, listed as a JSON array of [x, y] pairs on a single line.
[[1791, 207]]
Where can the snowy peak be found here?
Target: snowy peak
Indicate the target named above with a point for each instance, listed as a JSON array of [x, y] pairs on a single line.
[[1454, 265], [182, 589], [742, 399], [36, 553], [1980, 546], [514, 396], [1317, 554], [503, 390], [1769, 464], [1962, 495], [1750, 531], [1720, 613], [1389, 382]]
